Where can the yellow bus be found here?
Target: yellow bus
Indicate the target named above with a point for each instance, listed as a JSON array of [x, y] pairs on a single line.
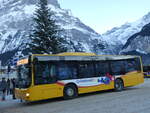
[[70, 74]]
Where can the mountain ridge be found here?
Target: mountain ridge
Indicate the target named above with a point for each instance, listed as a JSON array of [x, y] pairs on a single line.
[[117, 37], [17, 17]]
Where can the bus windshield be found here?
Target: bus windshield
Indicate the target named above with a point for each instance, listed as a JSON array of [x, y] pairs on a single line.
[[24, 76]]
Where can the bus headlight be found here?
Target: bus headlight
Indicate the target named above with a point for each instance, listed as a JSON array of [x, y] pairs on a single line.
[[27, 94]]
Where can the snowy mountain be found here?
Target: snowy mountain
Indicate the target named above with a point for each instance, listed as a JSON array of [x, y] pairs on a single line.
[[139, 44], [118, 36], [16, 23]]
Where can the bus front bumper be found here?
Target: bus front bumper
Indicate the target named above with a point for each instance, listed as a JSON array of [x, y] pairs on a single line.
[[22, 94]]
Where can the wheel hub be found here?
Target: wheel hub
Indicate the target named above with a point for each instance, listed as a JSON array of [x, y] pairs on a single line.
[[70, 92]]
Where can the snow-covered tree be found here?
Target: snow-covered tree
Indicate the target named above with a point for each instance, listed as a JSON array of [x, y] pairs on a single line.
[[45, 36]]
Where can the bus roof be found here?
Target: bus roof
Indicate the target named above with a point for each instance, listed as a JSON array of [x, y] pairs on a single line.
[[81, 57], [76, 54]]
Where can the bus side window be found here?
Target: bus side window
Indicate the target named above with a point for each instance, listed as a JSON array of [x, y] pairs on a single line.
[[63, 71], [53, 71], [86, 69], [66, 71], [74, 72], [39, 69], [117, 68], [44, 74], [138, 64], [130, 65], [102, 68]]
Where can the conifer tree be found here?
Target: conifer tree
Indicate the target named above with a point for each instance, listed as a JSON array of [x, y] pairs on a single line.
[[45, 36]]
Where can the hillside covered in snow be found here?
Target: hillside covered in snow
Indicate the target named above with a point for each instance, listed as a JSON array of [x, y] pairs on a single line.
[[16, 23], [118, 36], [139, 44], [17, 20]]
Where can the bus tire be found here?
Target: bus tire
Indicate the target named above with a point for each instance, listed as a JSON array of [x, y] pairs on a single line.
[[119, 85], [70, 91]]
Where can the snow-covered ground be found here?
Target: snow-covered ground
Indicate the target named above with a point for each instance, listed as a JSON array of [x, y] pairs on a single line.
[[8, 102], [131, 100]]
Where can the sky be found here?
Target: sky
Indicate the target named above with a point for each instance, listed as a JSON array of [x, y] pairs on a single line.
[[102, 15]]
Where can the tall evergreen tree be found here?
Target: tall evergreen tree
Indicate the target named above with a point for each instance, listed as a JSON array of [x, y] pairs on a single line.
[[45, 36]]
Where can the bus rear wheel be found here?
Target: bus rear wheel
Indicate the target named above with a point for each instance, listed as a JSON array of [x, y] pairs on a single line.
[[70, 92], [119, 85]]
